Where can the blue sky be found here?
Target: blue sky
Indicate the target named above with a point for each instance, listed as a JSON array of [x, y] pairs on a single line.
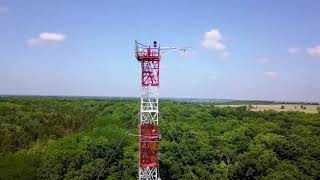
[[267, 50]]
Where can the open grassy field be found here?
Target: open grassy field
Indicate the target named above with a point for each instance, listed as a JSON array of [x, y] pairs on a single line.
[[280, 107]]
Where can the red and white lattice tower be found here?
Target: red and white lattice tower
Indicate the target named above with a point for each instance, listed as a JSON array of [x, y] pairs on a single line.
[[149, 57]]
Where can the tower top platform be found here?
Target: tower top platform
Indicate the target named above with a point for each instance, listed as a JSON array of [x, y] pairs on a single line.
[[147, 53]]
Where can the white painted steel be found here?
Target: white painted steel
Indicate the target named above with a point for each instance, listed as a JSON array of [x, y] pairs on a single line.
[[149, 114]]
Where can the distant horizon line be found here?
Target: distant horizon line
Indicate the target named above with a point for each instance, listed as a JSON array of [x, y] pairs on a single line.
[[208, 100]]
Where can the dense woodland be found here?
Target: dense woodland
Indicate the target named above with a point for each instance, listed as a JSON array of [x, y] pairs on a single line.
[[68, 138]]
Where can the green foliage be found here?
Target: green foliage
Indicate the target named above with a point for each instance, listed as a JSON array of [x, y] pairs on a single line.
[[22, 165], [56, 138], [286, 170], [26, 120]]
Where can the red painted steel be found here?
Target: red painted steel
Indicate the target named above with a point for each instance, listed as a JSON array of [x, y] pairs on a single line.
[[149, 145], [149, 133], [150, 59], [150, 72]]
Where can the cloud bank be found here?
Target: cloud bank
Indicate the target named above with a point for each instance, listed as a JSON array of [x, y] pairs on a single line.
[[47, 37], [314, 51], [311, 51]]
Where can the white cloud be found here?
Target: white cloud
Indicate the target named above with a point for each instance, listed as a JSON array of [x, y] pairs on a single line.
[[272, 74], [314, 52], [213, 40], [264, 61], [4, 9], [46, 37], [294, 50]]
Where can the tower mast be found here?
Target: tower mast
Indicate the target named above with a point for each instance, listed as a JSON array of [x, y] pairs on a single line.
[[149, 57]]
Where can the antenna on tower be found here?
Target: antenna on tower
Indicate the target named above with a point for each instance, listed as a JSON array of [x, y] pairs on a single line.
[[183, 50]]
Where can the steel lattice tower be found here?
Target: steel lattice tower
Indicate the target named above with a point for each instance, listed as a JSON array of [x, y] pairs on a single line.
[[149, 57]]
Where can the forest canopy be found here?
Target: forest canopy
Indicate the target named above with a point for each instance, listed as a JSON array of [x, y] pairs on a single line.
[[70, 138]]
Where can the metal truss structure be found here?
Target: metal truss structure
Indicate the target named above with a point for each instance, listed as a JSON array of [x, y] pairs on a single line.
[[149, 57]]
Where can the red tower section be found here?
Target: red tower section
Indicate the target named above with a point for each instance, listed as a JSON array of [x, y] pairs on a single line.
[[149, 144], [150, 59]]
